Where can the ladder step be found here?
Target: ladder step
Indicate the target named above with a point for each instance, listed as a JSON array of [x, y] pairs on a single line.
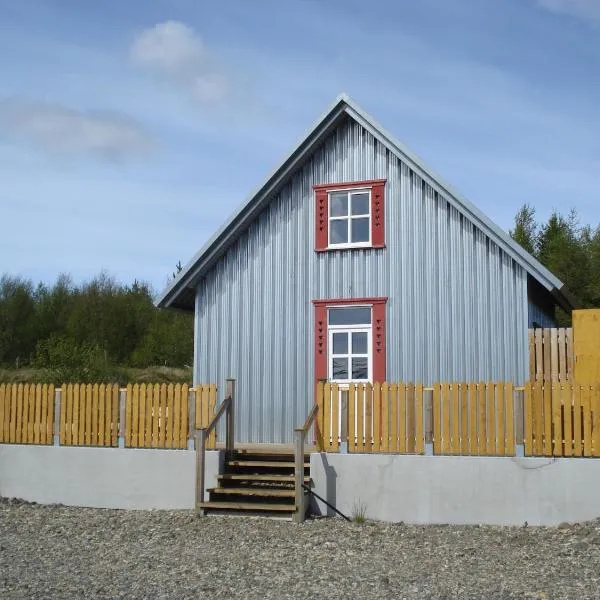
[[290, 508], [267, 478], [264, 463], [254, 491]]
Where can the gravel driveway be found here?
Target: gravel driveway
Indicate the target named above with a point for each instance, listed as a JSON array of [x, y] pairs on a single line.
[[59, 552]]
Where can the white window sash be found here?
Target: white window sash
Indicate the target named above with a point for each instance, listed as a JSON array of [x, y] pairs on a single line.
[[348, 218]]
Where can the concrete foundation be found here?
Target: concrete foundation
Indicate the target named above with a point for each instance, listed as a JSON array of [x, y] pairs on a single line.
[[104, 477], [459, 490]]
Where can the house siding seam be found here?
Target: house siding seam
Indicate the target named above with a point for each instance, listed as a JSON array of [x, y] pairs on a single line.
[[457, 307]]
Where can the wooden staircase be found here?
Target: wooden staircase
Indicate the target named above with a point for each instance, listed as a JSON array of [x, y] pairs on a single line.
[[256, 482]]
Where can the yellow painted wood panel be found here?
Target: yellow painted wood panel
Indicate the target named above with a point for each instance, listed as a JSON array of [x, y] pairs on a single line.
[[12, 436], [39, 434], [170, 411], [528, 425], [557, 433], [419, 420], [402, 388], [335, 417], [177, 415], [547, 336], [82, 414], [410, 418], [586, 342], [567, 406], [500, 414], [482, 420], [554, 353], [539, 355], [455, 417], [472, 403], [149, 416], [116, 411], [491, 418], [50, 415], [368, 424], [141, 442], [531, 344], [393, 418], [538, 416], [562, 356], [359, 393], [569, 351], [351, 411], [19, 421], [595, 391], [66, 414], [95, 430], [586, 401], [509, 412], [135, 416], [577, 421], [87, 440], [385, 417], [446, 399], [3, 419], [183, 420], [464, 419], [25, 415], [320, 416], [547, 407], [437, 418], [377, 417], [327, 416], [103, 408]]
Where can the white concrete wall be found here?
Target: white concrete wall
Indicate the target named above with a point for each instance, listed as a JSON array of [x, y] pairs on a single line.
[[104, 477], [459, 490]]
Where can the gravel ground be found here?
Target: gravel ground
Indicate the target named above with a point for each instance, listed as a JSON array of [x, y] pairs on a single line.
[[60, 552]]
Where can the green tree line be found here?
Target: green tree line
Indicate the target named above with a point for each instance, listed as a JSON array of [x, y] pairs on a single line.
[[84, 331], [567, 248]]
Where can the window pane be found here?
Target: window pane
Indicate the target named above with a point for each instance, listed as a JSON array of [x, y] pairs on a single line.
[[339, 368], [338, 231], [360, 368], [338, 204], [360, 204], [360, 343], [340, 343], [351, 315], [360, 230]]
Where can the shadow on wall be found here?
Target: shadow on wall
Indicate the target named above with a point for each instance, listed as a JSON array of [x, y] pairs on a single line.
[[330, 474]]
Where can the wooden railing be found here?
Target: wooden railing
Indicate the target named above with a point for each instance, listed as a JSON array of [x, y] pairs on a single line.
[[202, 435], [551, 354], [299, 442]]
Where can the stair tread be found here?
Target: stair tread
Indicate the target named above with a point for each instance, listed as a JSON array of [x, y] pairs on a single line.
[[254, 491], [263, 463], [248, 506], [265, 477]]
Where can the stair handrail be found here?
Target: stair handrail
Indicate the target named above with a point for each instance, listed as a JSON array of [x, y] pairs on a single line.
[[299, 440], [227, 407]]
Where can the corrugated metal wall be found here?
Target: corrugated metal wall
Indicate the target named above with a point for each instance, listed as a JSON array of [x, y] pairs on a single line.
[[457, 306]]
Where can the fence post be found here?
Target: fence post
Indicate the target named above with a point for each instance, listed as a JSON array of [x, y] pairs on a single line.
[[344, 422], [300, 495], [122, 402], [200, 468], [519, 415], [56, 430], [230, 424], [191, 417], [428, 416]]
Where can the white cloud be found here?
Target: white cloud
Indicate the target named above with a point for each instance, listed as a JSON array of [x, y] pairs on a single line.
[[176, 52], [584, 9], [58, 130]]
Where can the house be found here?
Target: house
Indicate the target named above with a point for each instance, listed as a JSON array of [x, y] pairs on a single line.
[[354, 261]]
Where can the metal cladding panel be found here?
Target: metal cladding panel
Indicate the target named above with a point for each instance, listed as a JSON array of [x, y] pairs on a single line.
[[457, 304]]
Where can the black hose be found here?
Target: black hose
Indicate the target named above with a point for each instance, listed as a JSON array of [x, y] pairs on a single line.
[[310, 491]]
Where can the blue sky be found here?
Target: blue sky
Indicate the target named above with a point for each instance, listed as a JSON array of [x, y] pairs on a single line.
[[120, 121]]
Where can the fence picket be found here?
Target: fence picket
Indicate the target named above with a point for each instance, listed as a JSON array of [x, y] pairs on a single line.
[[446, 435], [464, 419], [368, 418], [577, 421], [410, 418], [586, 400], [335, 419], [358, 393], [509, 444], [170, 411], [566, 402], [39, 408], [528, 419], [547, 409], [319, 441], [437, 419], [393, 418], [402, 418], [385, 417], [595, 405], [500, 424], [482, 410], [327, 416], [377, 417], [455, 417], [212, 403], [557, 438], [419, 429], [88, 415], [491, 418], [148, 416], [94, 429]]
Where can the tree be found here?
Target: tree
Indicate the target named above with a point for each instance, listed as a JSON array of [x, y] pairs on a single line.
[[526, 229]]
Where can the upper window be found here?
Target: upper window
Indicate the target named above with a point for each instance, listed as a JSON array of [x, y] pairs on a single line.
[[350, 218], [350, 215]]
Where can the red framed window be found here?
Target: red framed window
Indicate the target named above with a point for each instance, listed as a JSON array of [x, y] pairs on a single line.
[[350, 215], [350, 339]]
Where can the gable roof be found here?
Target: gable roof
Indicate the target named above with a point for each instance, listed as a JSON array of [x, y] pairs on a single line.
[[181, 291]]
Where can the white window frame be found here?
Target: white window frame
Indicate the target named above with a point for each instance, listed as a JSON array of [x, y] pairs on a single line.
[[349, 217], [349, 329]]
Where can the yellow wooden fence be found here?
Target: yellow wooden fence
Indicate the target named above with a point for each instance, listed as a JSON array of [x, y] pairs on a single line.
[[26, 413], [146, 415], [562, 419], [551, 354]]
